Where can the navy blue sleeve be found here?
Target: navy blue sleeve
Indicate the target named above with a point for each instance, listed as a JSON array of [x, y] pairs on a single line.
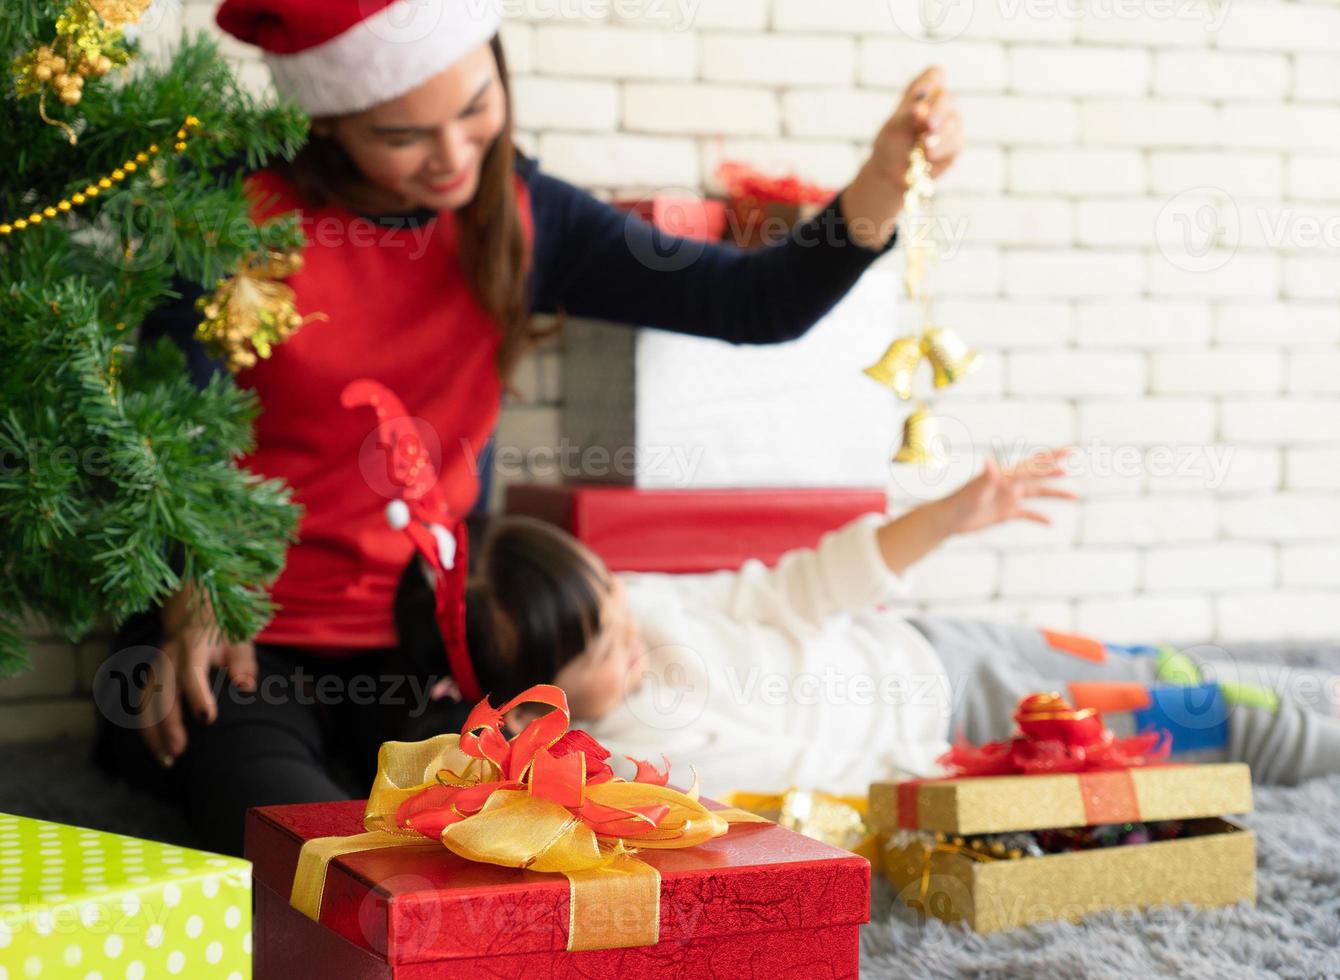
[[594, 260], [177, 319]]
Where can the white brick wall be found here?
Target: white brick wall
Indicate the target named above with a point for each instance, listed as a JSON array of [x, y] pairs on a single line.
[[1203, 386], [53, 698]]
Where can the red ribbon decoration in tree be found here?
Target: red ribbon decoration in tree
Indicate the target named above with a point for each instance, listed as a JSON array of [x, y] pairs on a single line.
[[1055, 738]]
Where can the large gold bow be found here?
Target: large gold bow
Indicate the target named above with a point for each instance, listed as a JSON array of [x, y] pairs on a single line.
[[545, 800]]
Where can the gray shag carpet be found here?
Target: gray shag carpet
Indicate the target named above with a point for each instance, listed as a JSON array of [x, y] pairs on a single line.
[[1292, 931]]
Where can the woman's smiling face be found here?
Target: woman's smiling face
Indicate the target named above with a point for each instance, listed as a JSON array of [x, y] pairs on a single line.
[[426, 148]]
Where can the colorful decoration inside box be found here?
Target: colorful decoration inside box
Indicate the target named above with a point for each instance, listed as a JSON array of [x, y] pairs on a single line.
[[950, 358], [545, 800], [920, 847], [1036, 843]]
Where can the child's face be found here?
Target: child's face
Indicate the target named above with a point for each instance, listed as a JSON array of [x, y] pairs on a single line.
[[426, 148], [612, 664]]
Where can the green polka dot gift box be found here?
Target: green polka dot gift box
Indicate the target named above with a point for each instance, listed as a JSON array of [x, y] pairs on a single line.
[[81, 904]]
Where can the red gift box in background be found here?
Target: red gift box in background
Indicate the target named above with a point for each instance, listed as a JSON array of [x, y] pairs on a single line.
[[684, 531], [763, 208], [754, 207], [759, 902], [689, 217]]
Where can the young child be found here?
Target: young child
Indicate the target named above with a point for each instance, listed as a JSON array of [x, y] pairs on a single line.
[[799, 675]]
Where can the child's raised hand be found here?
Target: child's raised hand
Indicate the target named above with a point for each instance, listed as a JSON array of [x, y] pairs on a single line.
[[998, 495]]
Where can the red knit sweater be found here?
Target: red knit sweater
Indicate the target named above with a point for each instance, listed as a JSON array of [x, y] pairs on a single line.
[[400, 312]]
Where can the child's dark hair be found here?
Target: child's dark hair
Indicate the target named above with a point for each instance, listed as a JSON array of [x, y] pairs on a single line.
[[532, 605]]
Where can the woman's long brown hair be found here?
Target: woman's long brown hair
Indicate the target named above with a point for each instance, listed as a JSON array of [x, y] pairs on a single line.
[[491, 243]]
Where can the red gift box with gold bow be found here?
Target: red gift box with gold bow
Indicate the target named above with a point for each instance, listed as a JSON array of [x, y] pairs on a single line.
[[477, 855], [970, 848]]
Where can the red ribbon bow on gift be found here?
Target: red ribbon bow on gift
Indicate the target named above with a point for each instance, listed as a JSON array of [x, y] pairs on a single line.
[[546, 760], [1054, 737], [744, 183]]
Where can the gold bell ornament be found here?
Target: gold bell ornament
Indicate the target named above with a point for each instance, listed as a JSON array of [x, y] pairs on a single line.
[[951, 359], [920, 433], [898, 367]]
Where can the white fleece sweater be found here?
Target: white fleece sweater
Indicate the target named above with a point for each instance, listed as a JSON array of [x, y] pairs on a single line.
[[764, 679]]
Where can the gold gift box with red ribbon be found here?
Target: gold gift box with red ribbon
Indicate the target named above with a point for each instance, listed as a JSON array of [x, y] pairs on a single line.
[[929, 826]]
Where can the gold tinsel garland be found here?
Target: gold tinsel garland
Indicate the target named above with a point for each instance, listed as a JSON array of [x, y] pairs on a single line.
[[189, 128], [248, 313]]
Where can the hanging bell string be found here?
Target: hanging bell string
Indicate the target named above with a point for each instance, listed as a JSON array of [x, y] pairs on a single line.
[[950, 358], [897, 368], [920, 254], [920, 183], [920, 246]]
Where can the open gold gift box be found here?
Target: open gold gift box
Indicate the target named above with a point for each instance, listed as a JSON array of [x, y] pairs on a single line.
[[1213, 862]]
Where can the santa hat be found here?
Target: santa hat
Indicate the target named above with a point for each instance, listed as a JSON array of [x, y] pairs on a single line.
[[339, 56]]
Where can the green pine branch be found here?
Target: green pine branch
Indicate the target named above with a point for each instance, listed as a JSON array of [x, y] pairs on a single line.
[[118, 480]]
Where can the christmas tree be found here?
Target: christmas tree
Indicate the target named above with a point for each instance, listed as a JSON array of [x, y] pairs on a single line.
[[118, 477]]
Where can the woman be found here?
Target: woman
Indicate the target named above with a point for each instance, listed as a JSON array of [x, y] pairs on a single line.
[[431, 241]]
